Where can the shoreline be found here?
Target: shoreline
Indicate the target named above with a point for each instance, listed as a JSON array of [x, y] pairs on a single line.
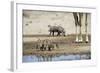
[[51, 54]]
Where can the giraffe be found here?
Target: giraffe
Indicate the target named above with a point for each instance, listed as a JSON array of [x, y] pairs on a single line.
[[78, 23], [86, 24]]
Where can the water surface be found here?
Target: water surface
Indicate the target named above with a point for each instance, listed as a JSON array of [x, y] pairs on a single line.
[[34, 58]]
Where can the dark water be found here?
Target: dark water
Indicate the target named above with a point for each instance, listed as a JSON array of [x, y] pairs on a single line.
[[34, 58]]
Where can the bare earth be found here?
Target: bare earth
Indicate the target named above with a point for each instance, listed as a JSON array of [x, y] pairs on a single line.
[[67, 45]]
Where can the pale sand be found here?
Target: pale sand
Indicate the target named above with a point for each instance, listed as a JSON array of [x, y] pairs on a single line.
[[67, 50], [69, 47]]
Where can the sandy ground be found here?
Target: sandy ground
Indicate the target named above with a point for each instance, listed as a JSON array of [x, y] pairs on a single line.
[[69, 46], [68, 50]]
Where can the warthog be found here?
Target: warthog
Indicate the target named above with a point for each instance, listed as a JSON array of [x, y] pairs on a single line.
[[44, 45], [58, 29]]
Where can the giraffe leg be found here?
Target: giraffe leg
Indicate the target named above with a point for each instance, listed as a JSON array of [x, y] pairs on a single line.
[[87, 39], [77, 39]]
